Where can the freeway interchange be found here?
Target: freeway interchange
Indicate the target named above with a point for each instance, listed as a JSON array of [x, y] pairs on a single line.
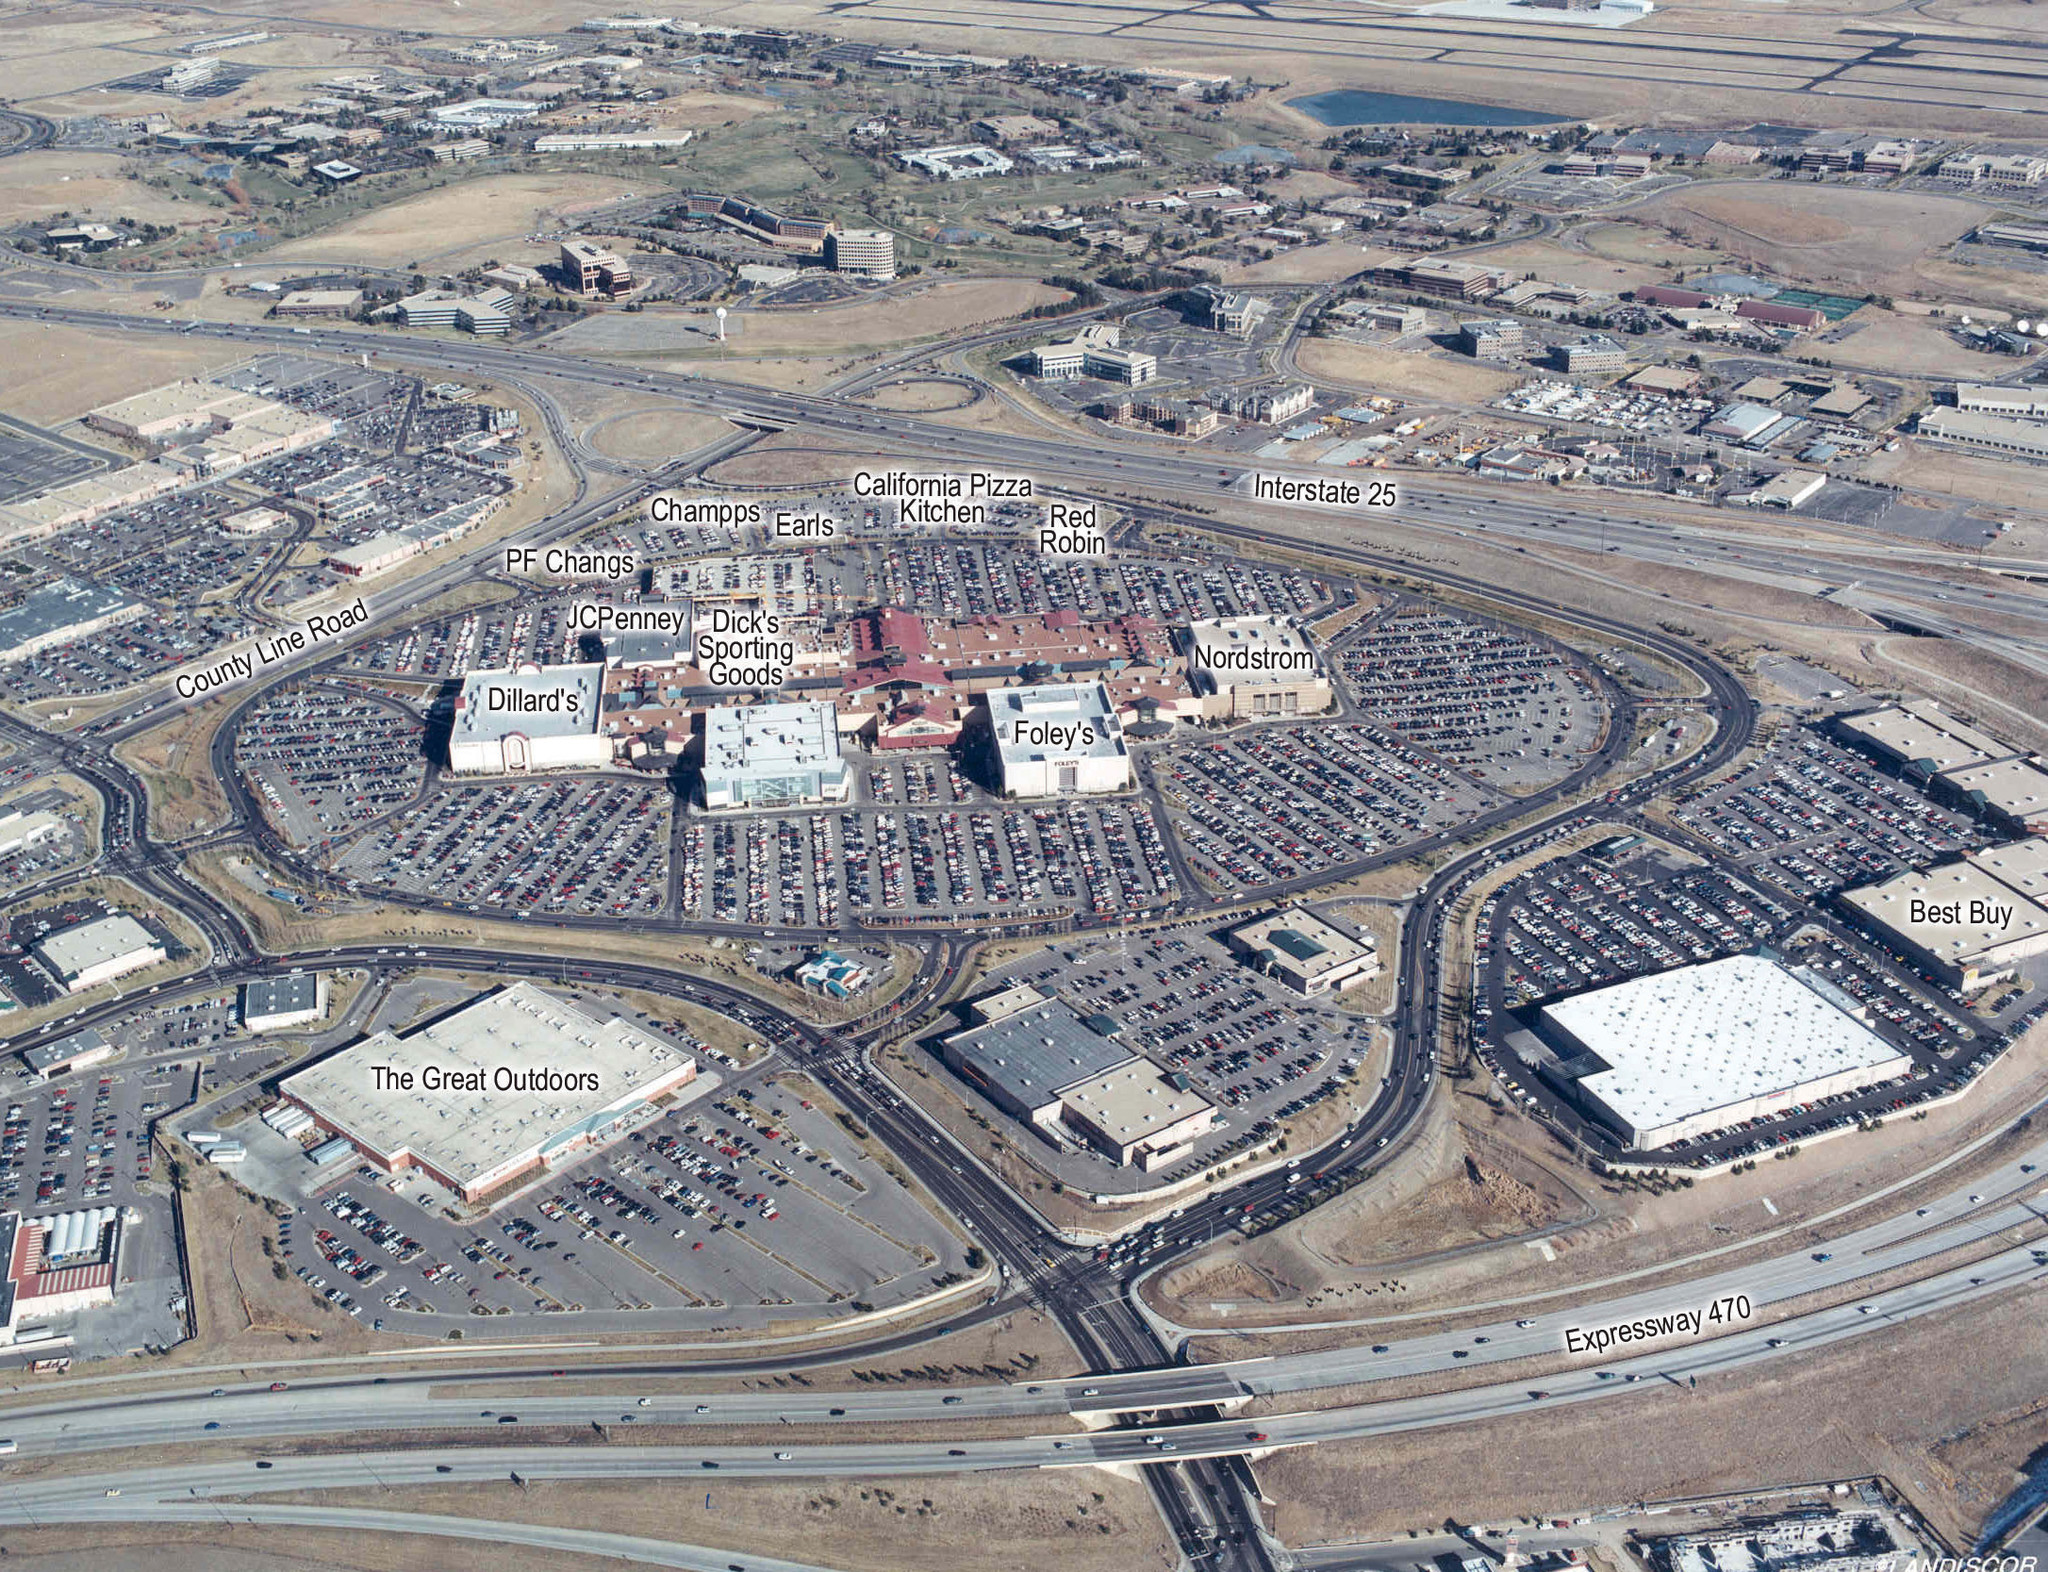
[[1199, 1468]]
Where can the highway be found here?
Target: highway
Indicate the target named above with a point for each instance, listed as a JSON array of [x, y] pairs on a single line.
[[1999, 1220]]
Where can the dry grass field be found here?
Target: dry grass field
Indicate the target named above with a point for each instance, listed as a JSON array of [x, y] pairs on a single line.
[[54, 373], [441, 227], [1892, 1403], [1319, 264], [89, 185], [1077, 1519], [1835, 237], [952, 306], [1405, 375], [654, 435]]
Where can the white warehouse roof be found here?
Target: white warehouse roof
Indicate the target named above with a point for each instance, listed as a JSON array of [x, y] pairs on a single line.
[[1683, 1043]]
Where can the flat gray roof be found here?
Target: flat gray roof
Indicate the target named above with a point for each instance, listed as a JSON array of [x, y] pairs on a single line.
[[1036, 1053], [45, 1057], [536, 701], [70, 951], [61, 604], [772, 740], [1025, 719], [280, 995]]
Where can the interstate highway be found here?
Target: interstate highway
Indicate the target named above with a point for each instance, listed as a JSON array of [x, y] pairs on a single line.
[[1432, 501]]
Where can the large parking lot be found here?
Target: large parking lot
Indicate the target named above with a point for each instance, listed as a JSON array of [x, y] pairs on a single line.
[[327, 758], [1501, 704], [534, 628], [1594, 918], [127, 653], [1281, 803], [1812, 817], [978, 862], [166, 549], [68, 846], [1247, 1043], [576, 846]]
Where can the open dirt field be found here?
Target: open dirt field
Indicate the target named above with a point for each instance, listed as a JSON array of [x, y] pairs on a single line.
[[785, 461], [1414, 376], [436, 227], [184, 795], [55, 51], [1835, 237], [1897, 344], [1948, 1433], [58, 373], [1588, 267], [793, 374], [1932, 468]]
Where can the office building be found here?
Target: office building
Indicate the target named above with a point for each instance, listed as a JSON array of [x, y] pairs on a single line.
[[1491, 340], [958, 161], [870, 253], [1093, 352], [593, 270], [518, 1084], [613, 141], [1444, 280], [1991, 398], [485, 313], [2027, 439], [1226, 310], [1670, 1057], [1594, 355], [318, 303]]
